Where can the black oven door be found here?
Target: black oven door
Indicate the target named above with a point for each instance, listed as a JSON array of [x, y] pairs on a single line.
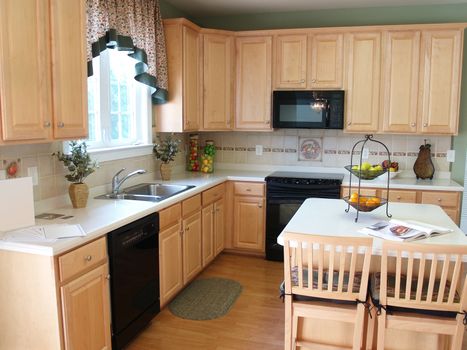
[[279, 211]]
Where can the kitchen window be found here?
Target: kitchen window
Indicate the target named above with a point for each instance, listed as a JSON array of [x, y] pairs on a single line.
[[119, 107]]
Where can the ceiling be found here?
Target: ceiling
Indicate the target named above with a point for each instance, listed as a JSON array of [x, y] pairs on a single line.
[[206, 8]]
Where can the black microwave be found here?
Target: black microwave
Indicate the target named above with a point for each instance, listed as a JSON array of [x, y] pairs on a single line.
[[308, 109]]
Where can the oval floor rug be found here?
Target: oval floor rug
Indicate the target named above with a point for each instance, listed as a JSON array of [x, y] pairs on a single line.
[[206, 299]]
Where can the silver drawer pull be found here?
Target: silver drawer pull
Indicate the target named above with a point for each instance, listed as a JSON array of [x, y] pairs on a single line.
[[60, 124], [248, 190], [88, 257], [439, 199], [398, 198]]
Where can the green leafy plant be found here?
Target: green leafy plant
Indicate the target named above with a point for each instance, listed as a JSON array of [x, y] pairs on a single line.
[[78, 162], [166, 149]]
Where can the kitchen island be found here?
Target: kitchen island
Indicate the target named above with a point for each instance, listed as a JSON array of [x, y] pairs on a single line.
[[327, 217]]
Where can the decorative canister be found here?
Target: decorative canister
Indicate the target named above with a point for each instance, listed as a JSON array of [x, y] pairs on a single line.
[[192, 161], [207, 158]]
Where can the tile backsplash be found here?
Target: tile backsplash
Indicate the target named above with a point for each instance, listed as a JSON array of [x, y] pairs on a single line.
[[282, 147]]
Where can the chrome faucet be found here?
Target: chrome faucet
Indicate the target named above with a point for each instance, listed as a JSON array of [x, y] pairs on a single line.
[[116, 182]]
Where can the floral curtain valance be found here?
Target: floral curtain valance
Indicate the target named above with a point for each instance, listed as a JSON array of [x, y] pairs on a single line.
[[131, 25]]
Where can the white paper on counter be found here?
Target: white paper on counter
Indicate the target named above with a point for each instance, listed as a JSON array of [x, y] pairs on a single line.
[[44, 233], [16, 203]]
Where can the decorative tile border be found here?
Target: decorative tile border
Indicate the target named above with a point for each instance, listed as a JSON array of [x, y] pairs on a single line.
[[240, 149], [290, 150], [277, 150], [412, 154], [441, 155], [330, 151], [343, 152], [400, 154]]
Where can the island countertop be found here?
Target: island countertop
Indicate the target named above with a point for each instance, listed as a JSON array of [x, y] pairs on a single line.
[[327, 217]]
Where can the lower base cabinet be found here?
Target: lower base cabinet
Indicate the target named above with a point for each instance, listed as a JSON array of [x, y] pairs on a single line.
[[86, 312]]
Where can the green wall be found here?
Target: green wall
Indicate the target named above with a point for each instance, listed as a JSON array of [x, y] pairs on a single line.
[[363, 16], [169, 11]]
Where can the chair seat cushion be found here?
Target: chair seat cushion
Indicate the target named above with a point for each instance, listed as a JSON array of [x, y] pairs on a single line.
[[335, 280], [375, 286]]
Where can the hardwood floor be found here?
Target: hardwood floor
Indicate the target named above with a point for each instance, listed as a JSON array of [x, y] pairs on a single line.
[[256, 320]]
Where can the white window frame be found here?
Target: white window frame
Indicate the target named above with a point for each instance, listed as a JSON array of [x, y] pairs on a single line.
[[105, 151]]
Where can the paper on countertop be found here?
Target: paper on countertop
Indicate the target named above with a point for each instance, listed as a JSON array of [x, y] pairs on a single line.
[[44, 233]]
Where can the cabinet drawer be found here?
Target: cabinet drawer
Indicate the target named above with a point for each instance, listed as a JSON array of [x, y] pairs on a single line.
[[80, 259], [213, 194], [170, 216], [191, 205], [363, 191], [443, 199], [249, 189], [402, 196]]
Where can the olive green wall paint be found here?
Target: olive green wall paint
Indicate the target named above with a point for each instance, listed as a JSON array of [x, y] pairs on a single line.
[[169, 11], [363, 16]]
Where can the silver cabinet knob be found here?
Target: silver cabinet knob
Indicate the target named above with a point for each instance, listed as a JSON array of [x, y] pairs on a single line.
[[439, 200], [349, 123], [260, 205], [266, 122], [88, 257], [47, 124], [413, 124], [398, 198], [107, 277], [302, 81], [60, 124], [425, 125], [313, 80], [248, 190]]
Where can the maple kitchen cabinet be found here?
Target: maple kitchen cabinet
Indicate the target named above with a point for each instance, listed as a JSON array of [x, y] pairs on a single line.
[[254, 87], [362, 81], [327, 60], [290, 64], [43, 75], [182, 111], [180, 257], [213, 222], [249, 211], [218, 81]]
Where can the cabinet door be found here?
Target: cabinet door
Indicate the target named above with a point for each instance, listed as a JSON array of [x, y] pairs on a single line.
[[327, 58], [253, 83], [363, 63], [208, 234], [192, 260], [218, 82], [219, 222], [191, 79], [25, 98], [400, 81], [86, 311], [69, 69], [441, 77], [170, 263], [290, 61], [249, 223]]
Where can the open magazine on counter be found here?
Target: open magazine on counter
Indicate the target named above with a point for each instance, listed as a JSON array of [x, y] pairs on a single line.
[[398, 230]]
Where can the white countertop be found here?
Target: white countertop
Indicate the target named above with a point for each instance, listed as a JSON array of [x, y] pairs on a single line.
[[327, 217], [102, 216]]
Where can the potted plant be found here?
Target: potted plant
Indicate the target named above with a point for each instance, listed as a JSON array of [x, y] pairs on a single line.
[[165, 150], [80, 166]]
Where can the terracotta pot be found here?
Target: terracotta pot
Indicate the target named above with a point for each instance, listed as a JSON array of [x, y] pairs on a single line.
[[166, 171], [79, 195]]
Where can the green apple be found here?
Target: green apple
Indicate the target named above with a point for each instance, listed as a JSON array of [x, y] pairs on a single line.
[[365, 166], [355, 167]]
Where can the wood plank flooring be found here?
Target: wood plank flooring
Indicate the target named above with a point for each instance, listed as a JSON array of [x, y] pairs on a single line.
[[256, 320]]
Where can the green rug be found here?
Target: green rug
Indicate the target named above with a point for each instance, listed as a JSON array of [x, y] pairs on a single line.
[[206, 299]]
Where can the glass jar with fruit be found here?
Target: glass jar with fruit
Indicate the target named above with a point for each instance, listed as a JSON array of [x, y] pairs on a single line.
[[192, 161], [365, 170], [207, 158]]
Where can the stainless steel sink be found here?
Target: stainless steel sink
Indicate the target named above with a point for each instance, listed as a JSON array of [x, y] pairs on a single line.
[[151, 192]]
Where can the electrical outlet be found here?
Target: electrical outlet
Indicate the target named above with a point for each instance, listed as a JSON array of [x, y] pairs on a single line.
[[259, 150], [365, 153], [32, 172], [451, 155], [2, 174]]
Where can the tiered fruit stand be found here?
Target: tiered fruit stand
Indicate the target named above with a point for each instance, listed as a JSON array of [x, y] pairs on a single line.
[[359, 202]]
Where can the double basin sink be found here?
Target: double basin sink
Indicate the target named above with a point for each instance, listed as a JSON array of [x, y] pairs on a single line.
[[151, 192]]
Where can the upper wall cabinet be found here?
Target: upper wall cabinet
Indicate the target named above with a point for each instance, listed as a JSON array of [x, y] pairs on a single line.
[[327, 54], [218, 82], [440, 80], [182, 112], [363, 65], [253, 89], [42, 81], [290, 65], [401, 64]]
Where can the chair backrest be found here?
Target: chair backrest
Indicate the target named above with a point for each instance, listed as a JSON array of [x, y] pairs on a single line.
[[327, 267], [423, 276]]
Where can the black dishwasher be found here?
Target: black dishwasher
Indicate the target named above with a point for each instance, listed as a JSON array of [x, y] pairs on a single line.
[[134, 283]]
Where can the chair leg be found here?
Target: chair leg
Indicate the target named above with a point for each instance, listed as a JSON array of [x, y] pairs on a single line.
[[358, 327], [456, 342], [370, 329], [294, 330], [288, 323], [381, 329]]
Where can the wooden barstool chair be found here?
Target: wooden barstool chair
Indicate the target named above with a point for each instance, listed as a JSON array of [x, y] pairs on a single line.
[[426, 293], [319, 271]]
